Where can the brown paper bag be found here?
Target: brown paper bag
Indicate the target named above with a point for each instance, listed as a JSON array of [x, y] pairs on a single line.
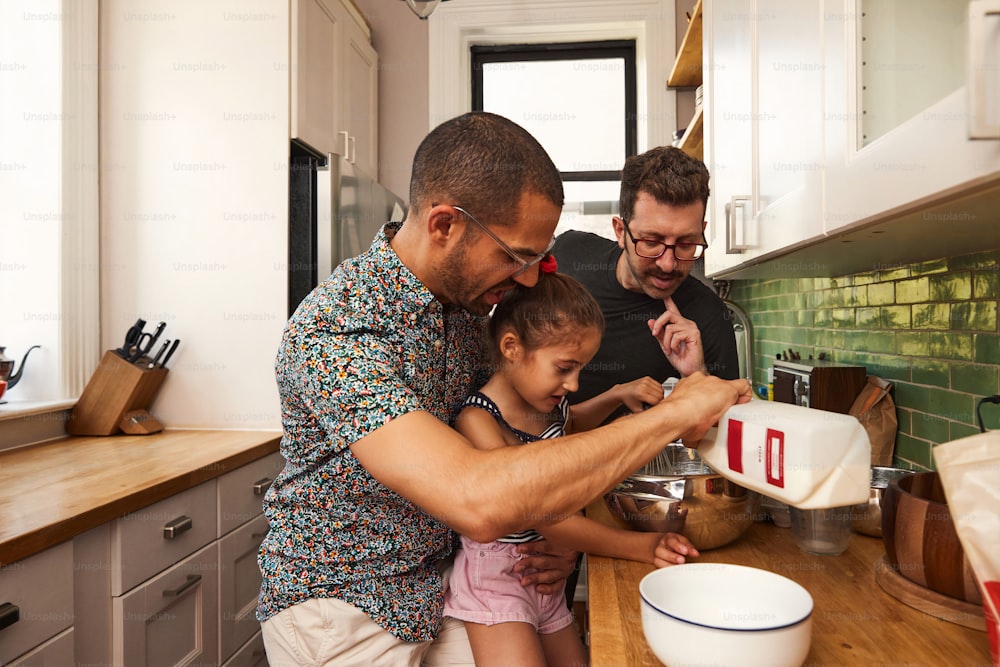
[[876, 411], [969, 469]]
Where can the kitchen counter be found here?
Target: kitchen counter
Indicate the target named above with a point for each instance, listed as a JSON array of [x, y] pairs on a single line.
[[854, 621], [54, 491]]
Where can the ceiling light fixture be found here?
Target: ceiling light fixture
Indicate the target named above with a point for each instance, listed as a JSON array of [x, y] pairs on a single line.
[[423, 8]]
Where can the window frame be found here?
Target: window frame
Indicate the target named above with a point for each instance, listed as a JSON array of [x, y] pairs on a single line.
[[59, 375], [481, 54]]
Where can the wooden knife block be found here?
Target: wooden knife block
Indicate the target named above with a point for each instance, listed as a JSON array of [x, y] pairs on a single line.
[[117, 398]]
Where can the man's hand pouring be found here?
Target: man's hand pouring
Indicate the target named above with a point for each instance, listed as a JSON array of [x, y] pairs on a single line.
[[704, 399]]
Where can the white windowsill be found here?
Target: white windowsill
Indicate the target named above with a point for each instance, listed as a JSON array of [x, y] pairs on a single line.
[[18, 409], [30, 422]]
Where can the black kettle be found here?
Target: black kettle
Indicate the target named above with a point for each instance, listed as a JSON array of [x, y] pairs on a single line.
[[7, 367]]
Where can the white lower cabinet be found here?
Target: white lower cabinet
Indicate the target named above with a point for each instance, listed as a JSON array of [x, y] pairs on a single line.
[[175, 583], [171, 619], [36, 603], [250, 654], [239, 586], [56, 652]]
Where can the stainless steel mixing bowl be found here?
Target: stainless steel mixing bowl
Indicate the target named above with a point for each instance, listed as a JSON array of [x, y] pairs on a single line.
[[678, 493], [866, 518]]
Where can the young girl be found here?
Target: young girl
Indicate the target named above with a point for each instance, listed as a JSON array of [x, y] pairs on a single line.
[[539, 339]]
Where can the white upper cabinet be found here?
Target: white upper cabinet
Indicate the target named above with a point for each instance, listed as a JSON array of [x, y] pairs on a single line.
[[359, 102], [729, 135], [334, 81], [846, 134], [314, 71], [764, 145], [920, 73]]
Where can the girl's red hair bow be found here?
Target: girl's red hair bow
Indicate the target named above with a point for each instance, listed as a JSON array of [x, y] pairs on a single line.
[[548, 265]]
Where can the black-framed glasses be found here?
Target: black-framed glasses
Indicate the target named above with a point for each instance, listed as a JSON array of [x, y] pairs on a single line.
[[526, 264], [650, 249]]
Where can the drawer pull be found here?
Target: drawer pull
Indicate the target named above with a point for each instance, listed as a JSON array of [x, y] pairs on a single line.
[[9, 615], [192, 579], [179, 525], [261, 485]]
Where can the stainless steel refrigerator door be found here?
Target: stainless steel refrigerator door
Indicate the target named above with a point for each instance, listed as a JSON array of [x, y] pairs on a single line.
[[357, 217]]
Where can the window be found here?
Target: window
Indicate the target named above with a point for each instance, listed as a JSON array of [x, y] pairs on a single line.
[[649, 24], [578, 99], [49, 257], [562, 92]]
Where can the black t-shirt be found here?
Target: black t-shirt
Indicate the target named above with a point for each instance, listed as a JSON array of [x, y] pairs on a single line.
[[628, 350]]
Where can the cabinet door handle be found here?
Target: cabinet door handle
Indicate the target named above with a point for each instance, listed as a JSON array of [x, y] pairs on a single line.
[[345, 137], [261, 486], [9, 614], [737, 211], [172, 529], [352, 145], [192, 579], [984, 20]]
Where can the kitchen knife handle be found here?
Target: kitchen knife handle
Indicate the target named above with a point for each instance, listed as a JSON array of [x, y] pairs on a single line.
[[173, 346], [163, 348]]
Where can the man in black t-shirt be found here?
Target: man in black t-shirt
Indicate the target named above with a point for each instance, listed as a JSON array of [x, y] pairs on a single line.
[[660, 321]]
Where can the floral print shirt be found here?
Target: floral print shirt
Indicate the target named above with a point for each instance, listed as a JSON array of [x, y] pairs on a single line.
[[369, 344]]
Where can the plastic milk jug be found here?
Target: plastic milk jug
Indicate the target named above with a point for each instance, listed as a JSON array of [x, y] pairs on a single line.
[[807, 458]]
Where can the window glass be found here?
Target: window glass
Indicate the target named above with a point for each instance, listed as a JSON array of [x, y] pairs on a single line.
[[575, 108], [578, 99]]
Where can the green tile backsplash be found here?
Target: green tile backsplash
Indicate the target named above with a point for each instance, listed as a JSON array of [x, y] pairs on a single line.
[[930, 327]]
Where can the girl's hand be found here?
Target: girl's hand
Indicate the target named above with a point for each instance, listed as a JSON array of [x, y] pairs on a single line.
[[673, 549], [639, 394]]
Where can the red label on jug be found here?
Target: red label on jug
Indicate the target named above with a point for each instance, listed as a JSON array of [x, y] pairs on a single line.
[[734, 445], [775, 453]]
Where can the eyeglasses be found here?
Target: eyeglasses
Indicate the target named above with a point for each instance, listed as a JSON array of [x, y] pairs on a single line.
[[649, 249], [526, 264]]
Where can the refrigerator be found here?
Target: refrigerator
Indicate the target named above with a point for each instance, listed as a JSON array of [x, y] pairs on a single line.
[[335, 210]]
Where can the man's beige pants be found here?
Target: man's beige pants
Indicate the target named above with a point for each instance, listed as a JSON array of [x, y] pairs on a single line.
[[332, 633]]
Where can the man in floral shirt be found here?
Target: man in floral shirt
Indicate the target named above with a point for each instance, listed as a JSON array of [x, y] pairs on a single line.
[[373, 365]]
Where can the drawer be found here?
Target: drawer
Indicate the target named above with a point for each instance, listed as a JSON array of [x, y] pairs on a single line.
[[250, 654], [57, 652], [150, 540], [172, 619], [38, 593], [241, 491], [239, 585]]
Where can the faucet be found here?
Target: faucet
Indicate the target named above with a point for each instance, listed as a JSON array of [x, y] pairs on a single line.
[[741, 327]]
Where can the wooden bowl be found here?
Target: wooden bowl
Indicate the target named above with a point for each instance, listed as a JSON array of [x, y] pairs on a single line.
[[920, 539]]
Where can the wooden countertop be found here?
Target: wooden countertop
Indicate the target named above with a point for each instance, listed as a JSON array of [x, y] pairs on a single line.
[[854, 621], [53, 491]]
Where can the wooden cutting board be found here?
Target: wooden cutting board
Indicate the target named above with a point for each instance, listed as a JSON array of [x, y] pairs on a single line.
[[928, 601]]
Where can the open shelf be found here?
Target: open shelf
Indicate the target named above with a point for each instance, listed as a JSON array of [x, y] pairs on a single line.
[[693, 142], [687, 66]]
